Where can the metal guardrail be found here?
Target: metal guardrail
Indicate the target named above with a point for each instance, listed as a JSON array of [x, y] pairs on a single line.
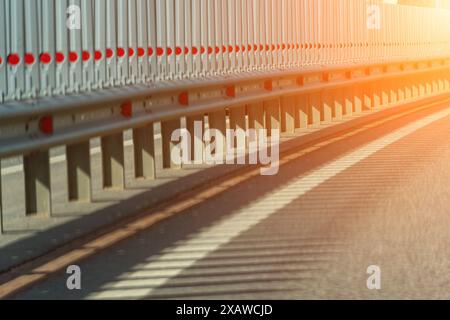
[[285, 100], [21, 123]]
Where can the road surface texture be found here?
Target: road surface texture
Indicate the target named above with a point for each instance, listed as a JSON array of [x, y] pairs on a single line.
[[379, 197], [28, 237]]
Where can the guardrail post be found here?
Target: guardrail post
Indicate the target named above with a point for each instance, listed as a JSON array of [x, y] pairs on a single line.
[[237, 118], [1, 203], [393, 93], [239, 124], [338, 104], [196, 142], [407, 85], [401, 90], [218, 120], [429, 83], [435, 83], [440, 81], [272, 115], [167, 129], [113, 162], [384, 94], [288, 114], [367, 96], [144, 152], [301, 107], [37, 183], [349, 101], [445, 79], [422, 87], [358, 100], [256, 116], [79, 172], [414, 88], [314, 109], [326, 114], [376, 94]]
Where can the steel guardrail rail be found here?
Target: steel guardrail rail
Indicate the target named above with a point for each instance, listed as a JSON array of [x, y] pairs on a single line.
[[27, 114]]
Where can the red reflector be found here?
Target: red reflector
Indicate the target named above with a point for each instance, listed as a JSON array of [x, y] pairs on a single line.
[[230, 91], [45, 58], [86, 56], [224, 49], [29, 58], [1, 60], [130, 52], [210, 50], [109, 53], [238, 49], [202, 50], [183, 98], [120, 52], [73, 57], [46, 125], [178, 51], [150, 52], [59, 57], [230, 49], [159, 51], [141, 52], [14, 59], [169, 51], [127, 109], [255, 47], [217, 50], [98, 55], [186, 50], [250, 47], [194, 50]]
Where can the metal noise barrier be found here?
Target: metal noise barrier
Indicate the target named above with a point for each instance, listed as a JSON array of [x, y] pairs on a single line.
[[57, 47]]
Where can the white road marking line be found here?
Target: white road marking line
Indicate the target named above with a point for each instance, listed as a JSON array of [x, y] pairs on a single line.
[[62, 158], [128, 288]]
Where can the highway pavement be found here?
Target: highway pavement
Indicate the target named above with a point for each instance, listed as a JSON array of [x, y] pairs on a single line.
[[378, 197]]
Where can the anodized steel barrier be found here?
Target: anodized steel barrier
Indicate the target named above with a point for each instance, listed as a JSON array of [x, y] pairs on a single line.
[[285, 100], [128, 64], [56, 47]]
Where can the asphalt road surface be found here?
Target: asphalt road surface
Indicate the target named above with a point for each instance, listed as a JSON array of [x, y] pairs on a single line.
[[377, 198]]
